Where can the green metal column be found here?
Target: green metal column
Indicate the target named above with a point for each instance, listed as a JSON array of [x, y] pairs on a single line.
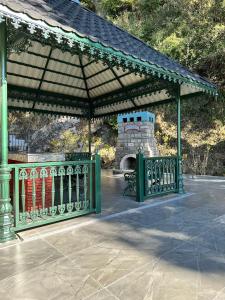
[[89, 135], [6, 230], [98, 195], [180, 186], [140, 178]]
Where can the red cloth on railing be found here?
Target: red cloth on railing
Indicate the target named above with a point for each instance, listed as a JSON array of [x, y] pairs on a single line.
[[28, 190]]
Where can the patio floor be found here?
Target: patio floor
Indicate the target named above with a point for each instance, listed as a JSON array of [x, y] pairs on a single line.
[[169, 248]]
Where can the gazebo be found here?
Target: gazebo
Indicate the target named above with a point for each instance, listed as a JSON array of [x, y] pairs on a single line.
[[57, 57]]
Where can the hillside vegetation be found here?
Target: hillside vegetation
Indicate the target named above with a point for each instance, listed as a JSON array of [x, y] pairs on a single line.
[[193, 33]]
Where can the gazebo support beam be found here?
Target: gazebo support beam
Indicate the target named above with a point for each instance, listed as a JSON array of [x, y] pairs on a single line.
[[180, 186], [6, 231], [89, 135]]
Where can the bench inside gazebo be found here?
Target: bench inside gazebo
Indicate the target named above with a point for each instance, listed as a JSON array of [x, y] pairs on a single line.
[[57, 57]]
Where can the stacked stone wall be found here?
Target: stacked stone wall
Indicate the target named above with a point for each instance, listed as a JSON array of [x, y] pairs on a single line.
[[132, 136]]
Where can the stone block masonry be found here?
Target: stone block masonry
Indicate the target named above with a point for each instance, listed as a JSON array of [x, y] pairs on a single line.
[[135, 130]]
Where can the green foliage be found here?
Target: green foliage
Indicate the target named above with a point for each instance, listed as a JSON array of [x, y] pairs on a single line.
[[68, 142], [112, 122], [107, 153], [193, 33], [89, 4], [116, 7]]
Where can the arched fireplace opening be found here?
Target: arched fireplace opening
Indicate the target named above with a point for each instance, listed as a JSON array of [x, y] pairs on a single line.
[[128, 162]]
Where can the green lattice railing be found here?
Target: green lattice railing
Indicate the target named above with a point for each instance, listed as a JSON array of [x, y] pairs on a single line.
[[44, 193], [155, 176], [160, 175]]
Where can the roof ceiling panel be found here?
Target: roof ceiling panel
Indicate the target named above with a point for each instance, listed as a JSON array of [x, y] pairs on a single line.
[[85, 59], [131, 79], [29, 59], [39, 48], [93, 68], [63, 90], [100, 78], [114, 108], [26, 71], [63, 79], [112, 86], [65, 56], [120, 71], [64, 68], [27, 83]]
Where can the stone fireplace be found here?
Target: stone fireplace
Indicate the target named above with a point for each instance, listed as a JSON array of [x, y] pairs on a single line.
[[135, 130]]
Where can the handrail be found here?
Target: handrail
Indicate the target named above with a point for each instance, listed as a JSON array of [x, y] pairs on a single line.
[[49, 164]]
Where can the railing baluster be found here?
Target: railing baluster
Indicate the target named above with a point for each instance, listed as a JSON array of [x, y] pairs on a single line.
[[159, 176], [85, 172], [16, 208], [69, 206], [53, 208], [62, 206], [152, 175], [43, 175], [77, 172], [170, 161], [90, 186], [34, 211], [163, 174], [22, 176]]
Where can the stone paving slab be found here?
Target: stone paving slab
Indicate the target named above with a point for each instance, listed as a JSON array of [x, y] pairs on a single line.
[[168, 251]]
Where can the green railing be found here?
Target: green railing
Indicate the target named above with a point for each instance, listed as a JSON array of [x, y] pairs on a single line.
[[45, 193], [155, 176]]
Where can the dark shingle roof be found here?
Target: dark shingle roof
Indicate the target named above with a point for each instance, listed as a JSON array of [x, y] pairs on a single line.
[[71, 16]]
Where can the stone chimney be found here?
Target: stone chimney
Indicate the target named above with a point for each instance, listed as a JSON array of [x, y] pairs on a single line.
[[135, 130]]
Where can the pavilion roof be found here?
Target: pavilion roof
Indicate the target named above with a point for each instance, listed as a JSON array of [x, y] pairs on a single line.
[[79, 62]]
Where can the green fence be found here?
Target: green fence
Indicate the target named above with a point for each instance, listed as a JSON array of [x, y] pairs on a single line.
[[155, 176], [44, 193]]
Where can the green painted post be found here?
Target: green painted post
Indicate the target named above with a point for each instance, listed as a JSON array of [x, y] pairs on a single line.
[[140, 178], [180, 186], [98, 204], [6, 229], [89, 136]]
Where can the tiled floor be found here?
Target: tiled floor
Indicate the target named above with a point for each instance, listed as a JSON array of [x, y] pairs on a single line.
[[173, 250]]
